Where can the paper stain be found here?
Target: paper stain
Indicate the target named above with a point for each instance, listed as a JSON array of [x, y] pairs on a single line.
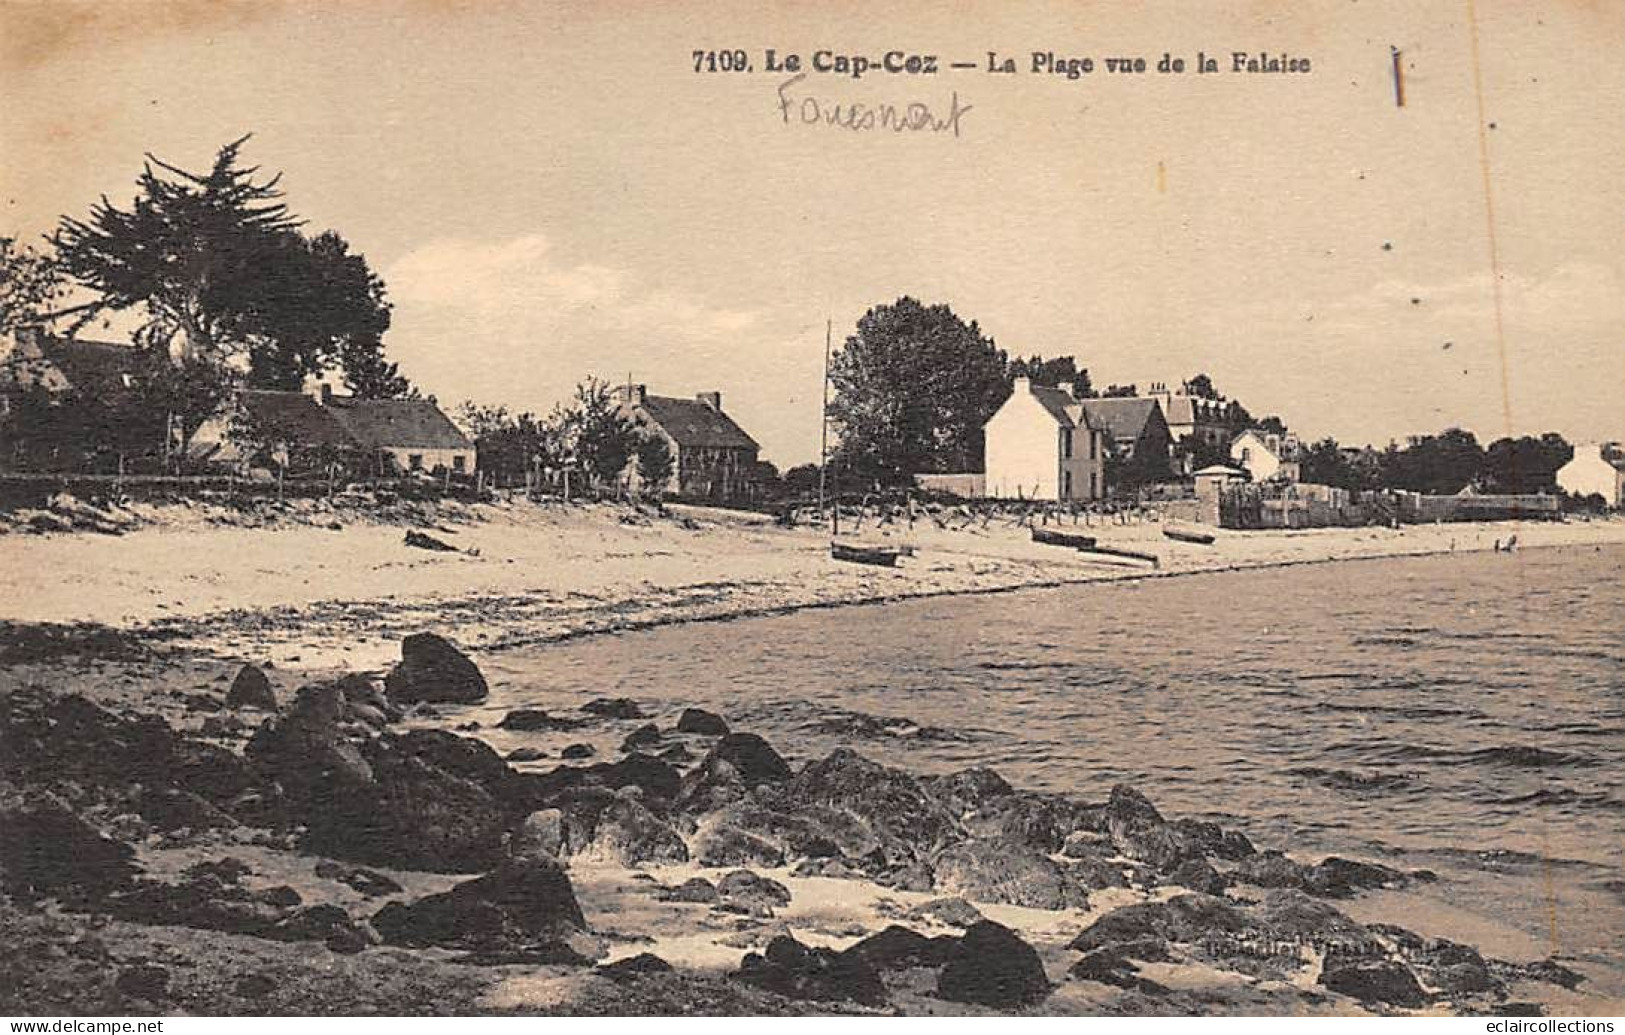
[[1162, 178]]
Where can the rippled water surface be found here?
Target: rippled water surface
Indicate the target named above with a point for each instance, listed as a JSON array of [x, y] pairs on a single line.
[[1462, 712]]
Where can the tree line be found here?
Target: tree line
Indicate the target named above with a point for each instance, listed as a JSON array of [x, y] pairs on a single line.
[[228, 290]]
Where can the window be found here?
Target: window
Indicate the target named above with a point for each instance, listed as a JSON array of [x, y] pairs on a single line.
[[1066, 481], [458, 463], [1246, 454], [415, 461], [1094, 487], [1094, 446], [1066, 443]]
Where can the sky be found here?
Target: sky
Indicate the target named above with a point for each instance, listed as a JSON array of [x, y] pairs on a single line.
[[550, 190]]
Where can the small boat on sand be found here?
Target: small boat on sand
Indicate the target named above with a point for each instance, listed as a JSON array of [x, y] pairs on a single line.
[[858, 553], [1070, 540], [1187, 536], [1133, 555]]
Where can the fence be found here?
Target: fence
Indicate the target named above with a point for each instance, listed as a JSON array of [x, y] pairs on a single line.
[[36, 490]]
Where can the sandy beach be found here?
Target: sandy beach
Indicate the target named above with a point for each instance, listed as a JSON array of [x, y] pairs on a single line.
[[320, 588]]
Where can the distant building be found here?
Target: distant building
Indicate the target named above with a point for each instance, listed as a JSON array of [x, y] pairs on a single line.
[[1595, 470], [1267, 456], [34, 359], [306, 429], [1193, 419], [713, 459], [1138, 441], [1041, 445]]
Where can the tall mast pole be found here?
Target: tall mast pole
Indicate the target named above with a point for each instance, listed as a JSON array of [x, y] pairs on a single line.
[[823, 434]]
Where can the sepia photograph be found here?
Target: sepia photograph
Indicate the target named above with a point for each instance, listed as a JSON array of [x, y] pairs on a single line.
[[970, 510]]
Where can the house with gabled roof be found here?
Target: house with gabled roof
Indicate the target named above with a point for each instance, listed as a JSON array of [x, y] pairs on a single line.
[[1043, 445], [308, 429], [1595, 470], [1137, 437], [34, 359], [713, 459]]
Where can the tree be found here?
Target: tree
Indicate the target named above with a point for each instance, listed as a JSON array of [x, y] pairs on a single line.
[[1325, 463], [220, 269], [1271, 425], [1120, 392], [30, 285], [1525, 465], [507, 445], [595, 433], [1438, 465], [913, 387], [655, 462], [1201, 387], [1062, 371], [801, 480], [187, 391]]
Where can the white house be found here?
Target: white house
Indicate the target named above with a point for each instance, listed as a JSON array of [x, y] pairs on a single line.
[[1595, 469], [1266, 455], [1041, 445]]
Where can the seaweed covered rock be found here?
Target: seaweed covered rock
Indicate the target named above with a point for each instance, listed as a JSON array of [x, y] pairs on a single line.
[[600, 824], [47, 850], [518, 904], [890, 802], [896, 947], [431, 669], [724, 845], [251, 688], [991, 966], [798, 971], [999, 870], [702, 722]]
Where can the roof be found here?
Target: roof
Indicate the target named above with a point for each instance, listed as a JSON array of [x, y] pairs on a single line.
[[95, 366], [296, 417], [1057, 401], [1224, 469], [397, 423], [362, 423], [1122, 418], [692, 423], [1177, 409]]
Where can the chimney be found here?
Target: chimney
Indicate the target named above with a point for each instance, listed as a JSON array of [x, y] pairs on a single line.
[[1075, 389], [711, 399], [631, 394]]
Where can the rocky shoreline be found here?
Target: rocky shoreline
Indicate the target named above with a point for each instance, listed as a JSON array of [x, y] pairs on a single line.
[[311, 849]]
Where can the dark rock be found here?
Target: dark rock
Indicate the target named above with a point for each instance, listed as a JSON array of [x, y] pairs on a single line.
[[251, 689], [1040, 821], [531, 720], [952, 912], [752, 892], [203, 904], [1182, 919], [797, 971], [655, 778], [968, 790], [890, 802], [370, 883], [254, 986], [51, 738], [317, 923], [1129, 810], [635, 966], [644, 736], [987, 870], [146, 981], [47, 850], [221, 726], [282, 896], [541, 834], [1517, 1009], [1095, 873], [1197, 875], [1551, 972], [752, 758], [433, 670], [1271, 870], [1375, 981], [1340, 878], [1086, 844], [897, 948], [170, 809], [227, 870], [525, 754], [517, 904], [1115, 964], [574, 751], [676, 754], [728, 846], [697, 720], [695, 889], [991, 966], [614, 708], [599, 823]]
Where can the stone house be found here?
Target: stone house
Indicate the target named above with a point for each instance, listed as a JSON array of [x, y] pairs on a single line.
[[713, 459]]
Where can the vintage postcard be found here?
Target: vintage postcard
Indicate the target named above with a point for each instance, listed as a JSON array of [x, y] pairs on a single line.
[[1051, 508]]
